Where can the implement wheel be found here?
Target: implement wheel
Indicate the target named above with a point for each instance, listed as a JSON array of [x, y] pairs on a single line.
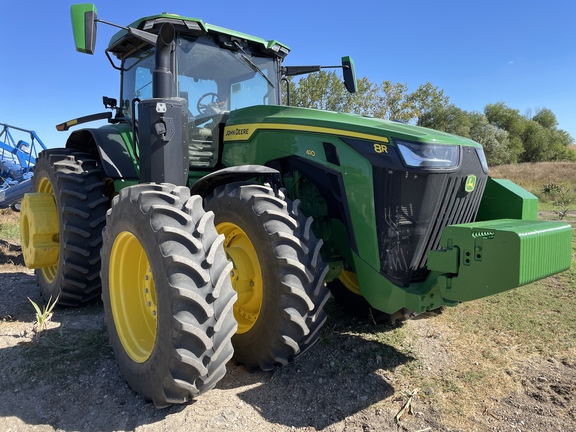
[[278, 273], [61, 226], [167, 293]]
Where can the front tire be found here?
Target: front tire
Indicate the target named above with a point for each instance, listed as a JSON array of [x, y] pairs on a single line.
[[167, 293], [278, 273]]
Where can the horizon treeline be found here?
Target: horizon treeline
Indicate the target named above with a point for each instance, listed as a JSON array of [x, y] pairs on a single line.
[[507, 136]]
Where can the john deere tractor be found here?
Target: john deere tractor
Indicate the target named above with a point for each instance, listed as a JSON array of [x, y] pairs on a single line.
[[214, 221]]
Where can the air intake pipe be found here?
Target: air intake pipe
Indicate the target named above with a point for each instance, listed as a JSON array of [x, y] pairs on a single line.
[[163, 121]]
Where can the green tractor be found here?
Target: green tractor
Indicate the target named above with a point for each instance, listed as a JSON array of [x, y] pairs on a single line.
[[214, 222]]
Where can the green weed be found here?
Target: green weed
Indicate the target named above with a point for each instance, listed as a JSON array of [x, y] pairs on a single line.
[[552, 188], [44, 314]]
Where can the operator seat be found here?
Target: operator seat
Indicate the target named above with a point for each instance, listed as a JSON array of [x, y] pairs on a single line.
[[205, 140]]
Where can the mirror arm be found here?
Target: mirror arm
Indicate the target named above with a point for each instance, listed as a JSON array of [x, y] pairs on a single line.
[[140, 34], [346, 66]]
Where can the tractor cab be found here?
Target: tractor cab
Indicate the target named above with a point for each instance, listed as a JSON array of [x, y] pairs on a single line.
[[206, 70], [211, 69]]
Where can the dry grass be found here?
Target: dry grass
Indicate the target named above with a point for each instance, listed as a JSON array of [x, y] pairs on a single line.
[[9, 224], [533, 176], [554, 183]]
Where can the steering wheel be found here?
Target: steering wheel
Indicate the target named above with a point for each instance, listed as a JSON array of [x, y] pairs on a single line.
[[202, 106]]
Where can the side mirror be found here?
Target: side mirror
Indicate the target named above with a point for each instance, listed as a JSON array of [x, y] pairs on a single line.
[[349, 73], [84, 18]]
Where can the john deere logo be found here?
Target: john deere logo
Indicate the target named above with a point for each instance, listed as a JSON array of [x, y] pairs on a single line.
[[470, 183]]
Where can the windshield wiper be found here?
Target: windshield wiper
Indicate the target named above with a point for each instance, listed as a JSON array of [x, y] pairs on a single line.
[[252, 65]]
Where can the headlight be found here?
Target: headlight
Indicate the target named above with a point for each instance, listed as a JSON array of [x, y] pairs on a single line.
[[429, 155], [482, 158]]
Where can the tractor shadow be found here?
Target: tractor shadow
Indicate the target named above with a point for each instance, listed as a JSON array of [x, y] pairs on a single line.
[[11, 253], [343, 374], [66, 376]]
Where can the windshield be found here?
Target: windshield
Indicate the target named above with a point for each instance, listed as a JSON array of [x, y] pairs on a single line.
[[212, 79], [233, 79]]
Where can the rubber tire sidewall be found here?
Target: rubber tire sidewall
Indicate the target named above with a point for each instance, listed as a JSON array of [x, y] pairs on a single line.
[[165, 378], [248, 346], [77, 278], [274, 339]]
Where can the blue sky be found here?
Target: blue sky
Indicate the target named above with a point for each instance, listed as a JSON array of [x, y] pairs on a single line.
[[521, 53]]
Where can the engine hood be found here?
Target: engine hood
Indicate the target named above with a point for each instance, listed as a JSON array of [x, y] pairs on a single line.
[[283, 117]]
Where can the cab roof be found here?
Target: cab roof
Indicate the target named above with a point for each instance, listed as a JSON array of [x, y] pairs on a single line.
[[122, 41]]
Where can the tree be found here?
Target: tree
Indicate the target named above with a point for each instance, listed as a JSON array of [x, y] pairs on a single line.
[[546, 118], [426, 99], [559, 147], [325, 90], [449, 119], [322, 90], [511, 121], [536, 142], [393, 103], [365, 100], [494, 140], [505, 118]]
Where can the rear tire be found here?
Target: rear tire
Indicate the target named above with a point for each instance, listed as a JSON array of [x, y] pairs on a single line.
[[278, 273], [167, 294], [75, 181]]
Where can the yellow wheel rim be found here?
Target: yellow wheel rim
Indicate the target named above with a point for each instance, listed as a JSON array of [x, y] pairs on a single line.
[[49, 272], [350, 281], [133, 297], [246, 275]]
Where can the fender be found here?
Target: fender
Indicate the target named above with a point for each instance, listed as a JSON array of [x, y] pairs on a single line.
[[111, 145], [208, 183]]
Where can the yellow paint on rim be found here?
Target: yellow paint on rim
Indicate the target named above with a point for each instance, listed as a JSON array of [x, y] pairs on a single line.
[[350, 281], [133, 297], [49, 272], [39, 232], [244, 132], [246, 275]]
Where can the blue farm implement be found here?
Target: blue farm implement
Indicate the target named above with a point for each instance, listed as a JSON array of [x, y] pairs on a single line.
[[17, 159]]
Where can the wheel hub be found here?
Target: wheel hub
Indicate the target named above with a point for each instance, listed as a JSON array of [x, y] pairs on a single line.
[[246, 276], [133, 297], [149, 293]]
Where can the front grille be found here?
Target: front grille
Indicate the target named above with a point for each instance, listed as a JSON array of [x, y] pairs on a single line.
[[412, 210]]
